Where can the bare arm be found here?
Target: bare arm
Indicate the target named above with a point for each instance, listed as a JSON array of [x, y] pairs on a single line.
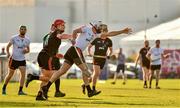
[[7, 49], [64, 36], [114, 33], [110, 51], [137, 59], [75, 32], [26, 50], [89, 49]]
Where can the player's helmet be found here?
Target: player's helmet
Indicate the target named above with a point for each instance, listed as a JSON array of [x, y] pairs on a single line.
[[96, 25], [58, 22]]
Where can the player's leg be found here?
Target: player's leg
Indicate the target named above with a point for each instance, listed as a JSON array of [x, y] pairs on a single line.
[[145, 76], [46, 74], [12, 67], [56, 65], [151, 75], [116, 74], [157, 78], [22, 79], [124, 76], [95, 76], [6, 80], [64, 68]]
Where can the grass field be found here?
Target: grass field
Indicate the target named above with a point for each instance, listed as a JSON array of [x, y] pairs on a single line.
[[131, 95]]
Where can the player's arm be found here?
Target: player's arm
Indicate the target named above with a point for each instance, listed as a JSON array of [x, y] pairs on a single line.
[[115, 33], [137, 59], [75, 32], [110, 51], [7, 49], [89, 49], [26, 49], [64, 36]]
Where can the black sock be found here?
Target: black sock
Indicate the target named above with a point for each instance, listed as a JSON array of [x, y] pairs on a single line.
[[49, 84], [156, 83], [150, 82], [39, 93], [4, 87], [145, 82], [94, 88], [88, 88], [57, 85], [20, 89], [35, 77]]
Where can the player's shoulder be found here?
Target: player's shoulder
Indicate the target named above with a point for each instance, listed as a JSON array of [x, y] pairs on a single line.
[[14, 36]]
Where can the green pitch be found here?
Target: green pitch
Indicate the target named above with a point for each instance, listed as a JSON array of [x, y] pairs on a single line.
[[131, 95]]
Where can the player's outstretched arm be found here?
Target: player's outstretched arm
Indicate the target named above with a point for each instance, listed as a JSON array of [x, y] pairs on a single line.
[[115, 33]]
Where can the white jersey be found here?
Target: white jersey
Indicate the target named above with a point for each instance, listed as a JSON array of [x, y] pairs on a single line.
[[85, 37], [156, 55], [19, 44]]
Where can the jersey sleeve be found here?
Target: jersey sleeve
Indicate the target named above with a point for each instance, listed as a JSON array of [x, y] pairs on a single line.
[[150, 51], [84, 29], [12, 40]]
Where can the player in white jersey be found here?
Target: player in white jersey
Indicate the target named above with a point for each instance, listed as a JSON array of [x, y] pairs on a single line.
[[155, 54], [20, 44], [74, 55]]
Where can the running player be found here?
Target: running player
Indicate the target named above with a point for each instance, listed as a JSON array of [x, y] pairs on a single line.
[[120, 66], [155, 54], [74, 55], [144, 62], [55, 66], [49, 51], [20, 44]]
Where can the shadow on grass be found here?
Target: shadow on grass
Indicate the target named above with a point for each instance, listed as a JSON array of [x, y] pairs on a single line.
[[131, 96], [69, 103]]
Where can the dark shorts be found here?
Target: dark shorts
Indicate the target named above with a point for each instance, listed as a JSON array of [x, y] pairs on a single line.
[[120, 67], [155, 67], [99, 61], [146, 64], [72, 57], [56, 63], [14, 64]]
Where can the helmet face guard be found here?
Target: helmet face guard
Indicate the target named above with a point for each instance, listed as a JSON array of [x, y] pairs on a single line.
[[96, 26]]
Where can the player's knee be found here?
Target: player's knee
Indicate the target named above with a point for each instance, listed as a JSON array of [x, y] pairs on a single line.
[[86, 73]]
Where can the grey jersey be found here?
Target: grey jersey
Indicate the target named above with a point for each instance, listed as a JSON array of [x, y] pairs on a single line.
[[19, 44], [85, 37], [121, 59]]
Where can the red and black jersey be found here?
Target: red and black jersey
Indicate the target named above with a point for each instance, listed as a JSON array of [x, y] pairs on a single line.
[[143, 52], [53, 43], [101, 46]]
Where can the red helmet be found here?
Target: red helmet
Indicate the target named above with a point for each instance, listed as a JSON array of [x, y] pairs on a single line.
[[58, 22]]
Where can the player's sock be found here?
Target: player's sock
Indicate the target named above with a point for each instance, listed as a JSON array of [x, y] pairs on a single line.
[[94, 88], [20, 89], [4, 87], [156, 84], [49, 84], [57, 85], [88, 88]]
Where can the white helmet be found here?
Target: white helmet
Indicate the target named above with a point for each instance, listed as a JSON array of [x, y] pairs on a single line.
[[96, 23]]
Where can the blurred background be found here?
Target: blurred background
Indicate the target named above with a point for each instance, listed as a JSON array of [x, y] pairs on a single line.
[[149, 19]]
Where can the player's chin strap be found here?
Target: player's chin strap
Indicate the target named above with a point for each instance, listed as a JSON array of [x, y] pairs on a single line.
[[94, 27]]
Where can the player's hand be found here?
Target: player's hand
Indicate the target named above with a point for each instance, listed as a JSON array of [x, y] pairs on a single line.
[[59, 56], [25, 50], [73, 41], [127, 31]]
